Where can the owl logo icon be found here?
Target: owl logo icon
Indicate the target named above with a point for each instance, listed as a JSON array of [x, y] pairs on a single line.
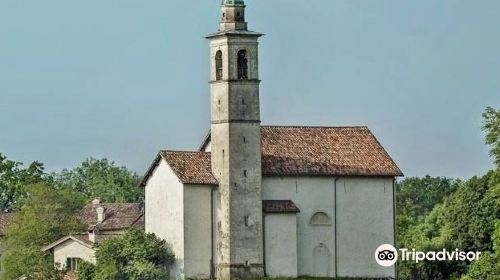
[[386, 255]]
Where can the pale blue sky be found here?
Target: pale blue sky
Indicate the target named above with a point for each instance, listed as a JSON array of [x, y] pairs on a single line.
[[122, 79]]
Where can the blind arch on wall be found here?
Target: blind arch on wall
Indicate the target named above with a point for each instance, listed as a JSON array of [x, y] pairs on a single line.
[[320, 218]]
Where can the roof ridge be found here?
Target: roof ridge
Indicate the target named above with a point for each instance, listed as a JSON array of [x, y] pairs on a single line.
[[296, 150], [187, 152], [314, 126]]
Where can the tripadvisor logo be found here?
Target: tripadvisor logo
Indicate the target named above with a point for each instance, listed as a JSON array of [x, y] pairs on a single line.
[[386, 255]]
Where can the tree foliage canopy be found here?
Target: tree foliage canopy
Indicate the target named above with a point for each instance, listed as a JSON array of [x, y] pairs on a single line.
[[15, 180], [488, 266], [134, 256], [416, 197], [491, 125], [466, 220], [103, 179], [46, 215]]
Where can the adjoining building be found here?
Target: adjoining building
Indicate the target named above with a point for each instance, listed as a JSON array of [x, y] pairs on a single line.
[[103, 220], [277, 201]]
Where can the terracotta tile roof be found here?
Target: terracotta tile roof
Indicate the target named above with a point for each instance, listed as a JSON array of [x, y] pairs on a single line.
[[296, 151], [140, 223], [191, 167], [279, 206], [99, 238], [118, 216], [324, 151], [84, 238], [80, 238], [4, 222]]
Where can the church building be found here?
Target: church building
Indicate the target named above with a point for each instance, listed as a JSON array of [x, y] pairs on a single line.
[[276, 201]]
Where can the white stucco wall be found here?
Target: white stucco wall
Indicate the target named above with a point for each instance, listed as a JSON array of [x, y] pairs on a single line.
[[364, 221], [281, 245], [164, 209], [72, 249], [310, 195], [197, 231]]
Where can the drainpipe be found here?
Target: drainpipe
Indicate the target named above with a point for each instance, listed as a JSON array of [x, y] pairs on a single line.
[[212, 268], [335, 222], [264, 243]]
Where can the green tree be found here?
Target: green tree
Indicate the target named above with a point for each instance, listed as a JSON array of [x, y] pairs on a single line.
[[15, 180], [416, 197], [472, 212], [103, 179], [491, 125], [46, 215], [488, 265], [429, 235], [465, 220], [133, 256]]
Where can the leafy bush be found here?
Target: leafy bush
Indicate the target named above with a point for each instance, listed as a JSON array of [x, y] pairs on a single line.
[[85, 271], [134, 255]]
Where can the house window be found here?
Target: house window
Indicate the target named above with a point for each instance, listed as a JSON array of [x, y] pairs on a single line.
[[73, 263], [218, 66], [320, 219], [242, 65]]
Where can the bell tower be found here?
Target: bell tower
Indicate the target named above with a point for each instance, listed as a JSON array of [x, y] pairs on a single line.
[[235, 146]]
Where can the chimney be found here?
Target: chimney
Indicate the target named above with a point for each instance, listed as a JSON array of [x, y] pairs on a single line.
[[100, 214], [92, 235]]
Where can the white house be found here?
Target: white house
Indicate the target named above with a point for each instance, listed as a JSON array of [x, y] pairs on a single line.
[[103, 220], [258, 200]]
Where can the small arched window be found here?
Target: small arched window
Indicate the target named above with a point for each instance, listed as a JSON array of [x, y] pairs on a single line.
[[320, 219], [218, 66], [242, 65]]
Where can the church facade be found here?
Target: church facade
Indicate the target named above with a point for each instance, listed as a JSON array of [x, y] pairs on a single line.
[[276, 201]]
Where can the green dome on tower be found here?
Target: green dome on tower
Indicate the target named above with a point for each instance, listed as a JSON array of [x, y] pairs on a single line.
[[233, 3]]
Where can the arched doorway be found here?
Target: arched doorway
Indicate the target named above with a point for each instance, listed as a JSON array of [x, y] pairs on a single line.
[[321, 261]]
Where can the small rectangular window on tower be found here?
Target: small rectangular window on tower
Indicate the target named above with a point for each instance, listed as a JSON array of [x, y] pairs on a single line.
[[218, 66], [242, 65]]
